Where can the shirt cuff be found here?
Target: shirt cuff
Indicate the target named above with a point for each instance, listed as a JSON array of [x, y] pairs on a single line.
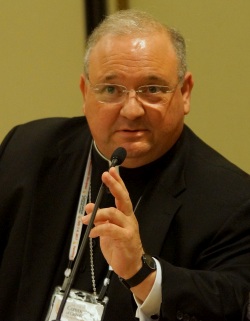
[[150, 308]]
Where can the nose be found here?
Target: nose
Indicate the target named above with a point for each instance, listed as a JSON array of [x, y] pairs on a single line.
[[132, 108]]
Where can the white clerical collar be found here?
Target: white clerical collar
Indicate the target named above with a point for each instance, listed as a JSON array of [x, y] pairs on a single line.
[[102, 156]]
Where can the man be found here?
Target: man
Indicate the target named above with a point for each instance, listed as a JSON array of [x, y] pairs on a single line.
[[174, 222]]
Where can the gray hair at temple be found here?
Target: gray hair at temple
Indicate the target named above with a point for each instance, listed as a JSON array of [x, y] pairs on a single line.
[[126, 22]]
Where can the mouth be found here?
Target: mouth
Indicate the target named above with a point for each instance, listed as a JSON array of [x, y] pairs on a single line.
[[137, 130], [131, 133]]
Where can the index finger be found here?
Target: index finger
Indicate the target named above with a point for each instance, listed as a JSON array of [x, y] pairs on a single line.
[[118, 189]]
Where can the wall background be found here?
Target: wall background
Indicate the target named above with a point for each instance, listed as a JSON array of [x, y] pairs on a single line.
[[40, 60], [42, 45]]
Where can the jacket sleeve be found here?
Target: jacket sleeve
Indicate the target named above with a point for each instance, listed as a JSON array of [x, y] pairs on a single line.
[[217, 286]]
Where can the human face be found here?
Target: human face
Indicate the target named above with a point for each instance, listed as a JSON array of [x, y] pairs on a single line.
[[146, 132]]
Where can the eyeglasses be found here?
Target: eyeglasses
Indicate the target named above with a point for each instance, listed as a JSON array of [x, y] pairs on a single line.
[[117, 94]]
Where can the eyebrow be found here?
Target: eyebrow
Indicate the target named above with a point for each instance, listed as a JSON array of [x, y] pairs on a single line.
[[158, 79], [145, 79], [110, 77]]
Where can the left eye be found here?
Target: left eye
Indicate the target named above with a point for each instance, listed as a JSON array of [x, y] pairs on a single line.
[[154, 89], [151, 89]]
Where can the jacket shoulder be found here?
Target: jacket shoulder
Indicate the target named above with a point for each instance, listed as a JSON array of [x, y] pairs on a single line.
[[38, 135], [24, 148], [201, 153]]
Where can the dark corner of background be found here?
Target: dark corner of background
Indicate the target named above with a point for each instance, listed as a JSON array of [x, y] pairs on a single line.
[[96, 10]]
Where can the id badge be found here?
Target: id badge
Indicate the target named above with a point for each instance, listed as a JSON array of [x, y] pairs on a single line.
[[79, 306]]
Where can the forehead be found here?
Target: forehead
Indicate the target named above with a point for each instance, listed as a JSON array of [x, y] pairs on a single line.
[[131, 56]]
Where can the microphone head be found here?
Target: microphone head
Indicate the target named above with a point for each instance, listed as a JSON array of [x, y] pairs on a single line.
[[118, 156]]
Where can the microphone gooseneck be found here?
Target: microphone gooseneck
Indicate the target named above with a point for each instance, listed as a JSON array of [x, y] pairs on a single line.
[[117, 159]]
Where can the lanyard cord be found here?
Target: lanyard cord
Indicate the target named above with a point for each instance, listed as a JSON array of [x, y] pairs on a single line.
[[92, 268], [79, 214], [85, 195]]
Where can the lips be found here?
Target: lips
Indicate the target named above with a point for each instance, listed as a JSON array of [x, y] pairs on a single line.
[[132, 130], [131, 133]]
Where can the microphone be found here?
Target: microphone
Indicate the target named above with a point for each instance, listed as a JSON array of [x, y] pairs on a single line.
[[117, 159], [118, 156]]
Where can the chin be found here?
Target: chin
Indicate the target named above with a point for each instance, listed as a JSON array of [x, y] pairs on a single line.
[[136, 158], [136, 149]]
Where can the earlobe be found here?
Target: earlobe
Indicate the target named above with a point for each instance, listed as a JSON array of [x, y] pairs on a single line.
[[186, 91]]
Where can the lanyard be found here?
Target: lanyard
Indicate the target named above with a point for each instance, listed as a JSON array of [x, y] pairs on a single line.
[[80, 209], [75, 240], [78, 228], [81, 206]]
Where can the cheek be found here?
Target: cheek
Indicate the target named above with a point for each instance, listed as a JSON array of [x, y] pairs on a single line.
[[170, 119], [97, 127], [99, 119], [176, 108]]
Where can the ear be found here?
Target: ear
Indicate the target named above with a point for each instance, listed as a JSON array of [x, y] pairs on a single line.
[[83, 87], [186, 89]]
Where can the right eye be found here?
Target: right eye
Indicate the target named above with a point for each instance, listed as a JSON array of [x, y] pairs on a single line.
[[109, 89]]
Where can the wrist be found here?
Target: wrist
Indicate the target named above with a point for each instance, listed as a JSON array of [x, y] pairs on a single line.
[[148, 266]]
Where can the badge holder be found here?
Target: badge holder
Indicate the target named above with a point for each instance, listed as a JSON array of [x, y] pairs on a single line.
[[80, 305]]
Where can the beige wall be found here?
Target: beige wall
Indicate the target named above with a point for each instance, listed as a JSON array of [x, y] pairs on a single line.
[[41, 62]]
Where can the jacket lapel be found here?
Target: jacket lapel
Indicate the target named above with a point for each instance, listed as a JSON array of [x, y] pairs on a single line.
[[162, 199]]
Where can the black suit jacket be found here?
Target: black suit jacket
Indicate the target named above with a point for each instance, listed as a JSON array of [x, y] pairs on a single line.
[[194, 216]]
